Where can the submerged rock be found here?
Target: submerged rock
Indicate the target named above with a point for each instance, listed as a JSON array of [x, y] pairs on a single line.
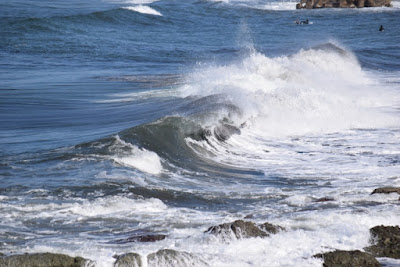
[[313, 4], [129, 260], [169, 257], [44, 260], [353, 258], [386, 241]]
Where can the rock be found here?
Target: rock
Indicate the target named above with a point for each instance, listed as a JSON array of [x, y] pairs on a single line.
[[311, 4], [169, 257], [386, 241], [244, 229], [238, 229], [340, 258], [129, 260], [141, 238], [271, 228], [386, 190], [44, 260], [324, 199]]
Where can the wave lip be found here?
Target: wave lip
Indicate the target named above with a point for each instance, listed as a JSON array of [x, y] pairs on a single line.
[[144, 10]]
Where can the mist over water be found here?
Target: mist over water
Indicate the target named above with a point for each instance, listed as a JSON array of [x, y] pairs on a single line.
[[128, 118]]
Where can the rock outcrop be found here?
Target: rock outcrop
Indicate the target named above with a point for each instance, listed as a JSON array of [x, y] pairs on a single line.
[[353, 258], [386, 241], [243, 229], [43, 260], [311, 4]]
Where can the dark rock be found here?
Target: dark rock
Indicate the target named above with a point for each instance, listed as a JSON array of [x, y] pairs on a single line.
[[271, 228], [129, 260], [386, 190], [311, 4], [43, 260], [169, 257], [238, 229], [340, 258], [324, 199], [386, 241], [141, 238]]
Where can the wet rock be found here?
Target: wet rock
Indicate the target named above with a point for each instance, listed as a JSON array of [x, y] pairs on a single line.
[[271, 228], [386, 190], [169, 257], [44, 260], [313, 4], [128, 260], [238, 229], [386, 241], [324, 199], [340, 258], [141, 238]]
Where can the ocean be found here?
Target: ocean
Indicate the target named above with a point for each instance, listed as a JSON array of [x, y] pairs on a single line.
[[124, 118]]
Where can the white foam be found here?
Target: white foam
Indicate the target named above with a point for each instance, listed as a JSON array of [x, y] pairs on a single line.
[[144, 10], [117, 206], [311, 91], [138, 158]]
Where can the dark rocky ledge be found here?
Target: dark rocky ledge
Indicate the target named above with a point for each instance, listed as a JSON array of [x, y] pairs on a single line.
[[312, 4]]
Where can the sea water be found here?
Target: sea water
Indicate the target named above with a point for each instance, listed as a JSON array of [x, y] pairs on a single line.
[[168, 117]]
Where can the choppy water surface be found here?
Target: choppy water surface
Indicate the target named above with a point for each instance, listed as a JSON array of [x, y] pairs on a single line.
[[119, 118]]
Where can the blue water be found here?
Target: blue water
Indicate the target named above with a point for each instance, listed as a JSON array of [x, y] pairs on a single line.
[[173, 116]]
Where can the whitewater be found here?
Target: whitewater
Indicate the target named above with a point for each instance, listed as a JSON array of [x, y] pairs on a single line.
[[128, 121]]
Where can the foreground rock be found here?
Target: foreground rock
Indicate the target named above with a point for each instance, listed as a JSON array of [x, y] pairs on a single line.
[[386, 241], [354, 258], [169, 257], [129, 260], [44, 260], [243, 229], [311, 4]]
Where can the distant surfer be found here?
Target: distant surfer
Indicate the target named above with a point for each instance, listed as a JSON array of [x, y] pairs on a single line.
[[381, 29]]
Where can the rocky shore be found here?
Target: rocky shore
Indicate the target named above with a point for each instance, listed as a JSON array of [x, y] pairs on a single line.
[[312, 4], [384, 242]]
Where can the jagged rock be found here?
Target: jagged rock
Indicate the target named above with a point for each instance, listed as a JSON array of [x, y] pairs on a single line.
[[44, 260], [128, 260], [386, 241], [142, 238], [311, 4], [169, 257], [238, 229], [340, 258]]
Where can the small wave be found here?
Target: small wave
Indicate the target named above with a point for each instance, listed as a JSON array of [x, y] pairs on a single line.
[[144, 10]]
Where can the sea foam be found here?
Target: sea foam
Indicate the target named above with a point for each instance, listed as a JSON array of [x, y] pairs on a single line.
[[144, 10], [316, 90]]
